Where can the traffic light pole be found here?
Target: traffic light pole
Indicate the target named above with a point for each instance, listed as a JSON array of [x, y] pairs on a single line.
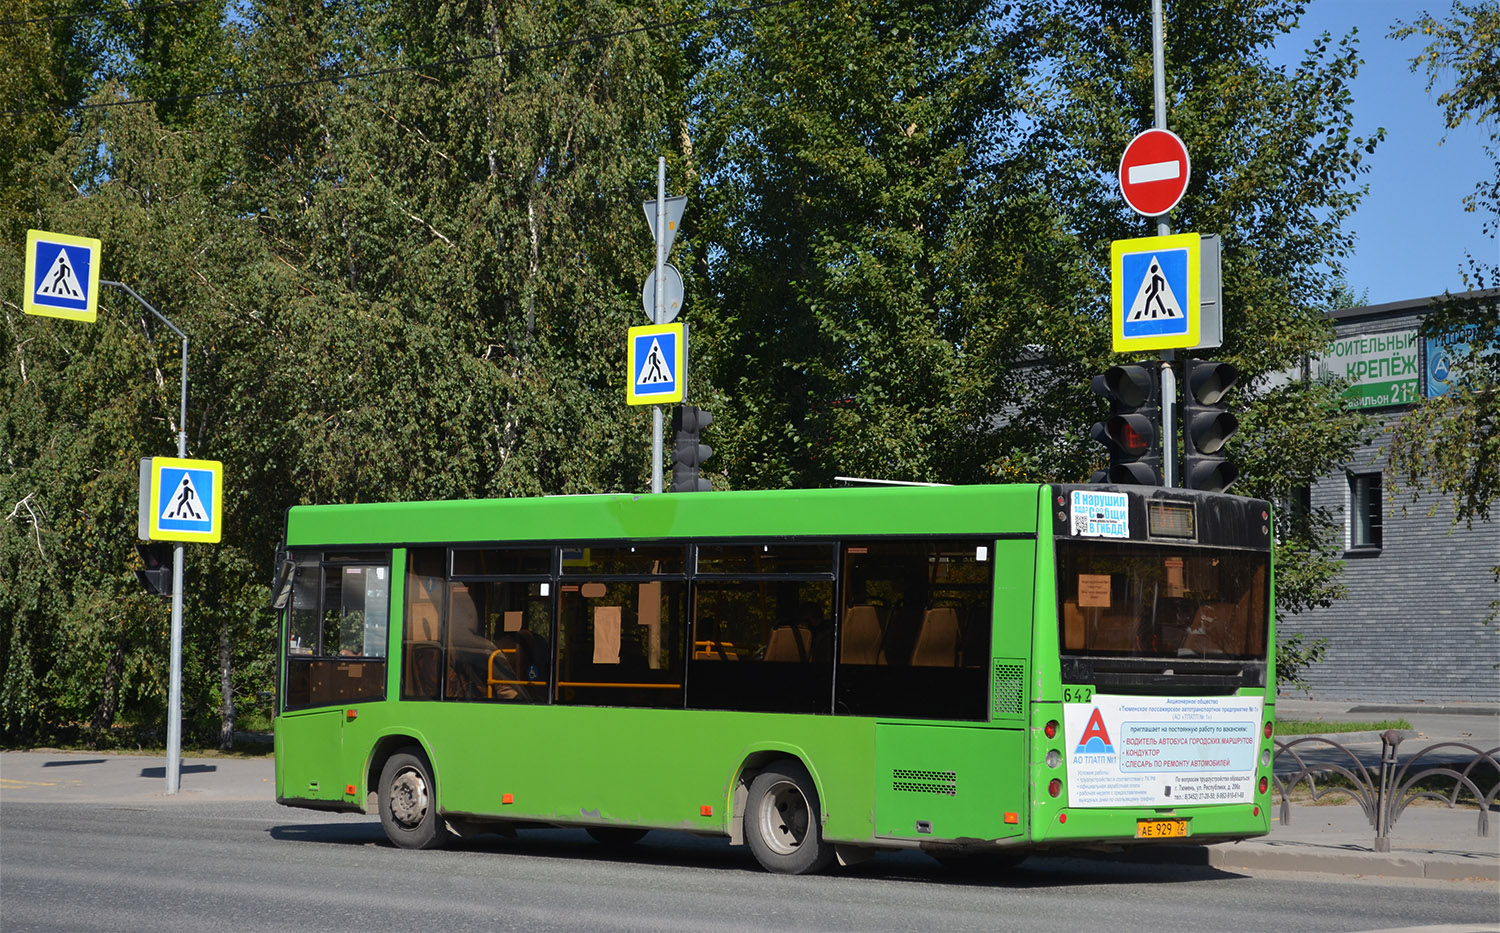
[[174, 697], [659, 312], [1164, 228]]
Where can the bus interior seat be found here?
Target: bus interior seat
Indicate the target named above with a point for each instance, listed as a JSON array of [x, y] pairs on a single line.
[[1074, 638], [423, 621], [862, 636], [789, 643], [1115, 633], [937, 640], [1211, 623], [423, 650], [513, 661]]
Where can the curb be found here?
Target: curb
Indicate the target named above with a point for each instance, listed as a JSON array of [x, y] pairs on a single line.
[[1281, 857], [1302, 857]]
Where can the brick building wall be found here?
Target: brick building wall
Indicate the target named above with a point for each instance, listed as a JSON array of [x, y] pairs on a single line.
[[1413, 626]]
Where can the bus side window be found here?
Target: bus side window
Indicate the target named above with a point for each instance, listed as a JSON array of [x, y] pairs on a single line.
[[621, 642], [421, 642], [337, 631], [931, 656], [770, 607]]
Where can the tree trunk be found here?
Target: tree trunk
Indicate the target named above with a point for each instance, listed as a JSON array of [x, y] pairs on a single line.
[[226, 688]]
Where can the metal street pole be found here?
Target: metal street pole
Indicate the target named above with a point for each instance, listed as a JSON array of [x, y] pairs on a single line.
[[1164, 228], [659, 313], [174, 700]]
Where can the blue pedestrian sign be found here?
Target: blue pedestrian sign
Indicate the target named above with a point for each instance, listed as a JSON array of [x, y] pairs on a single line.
[[657, 359], [187, 500], [1155, 285], [62, 276]]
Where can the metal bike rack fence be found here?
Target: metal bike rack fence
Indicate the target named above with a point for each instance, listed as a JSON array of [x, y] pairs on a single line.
[[1384, 790]]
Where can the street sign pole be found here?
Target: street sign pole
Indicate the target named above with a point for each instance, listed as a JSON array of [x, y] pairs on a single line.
[[1164, 228], [659, 312], [174, 696]]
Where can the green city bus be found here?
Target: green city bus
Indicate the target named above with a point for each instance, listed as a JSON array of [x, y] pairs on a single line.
[[978, 672]]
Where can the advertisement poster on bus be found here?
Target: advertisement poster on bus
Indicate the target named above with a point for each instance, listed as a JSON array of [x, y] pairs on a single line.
[[1161, 751]]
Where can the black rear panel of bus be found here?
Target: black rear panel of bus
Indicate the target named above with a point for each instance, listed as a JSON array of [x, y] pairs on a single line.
[[1162, 590]]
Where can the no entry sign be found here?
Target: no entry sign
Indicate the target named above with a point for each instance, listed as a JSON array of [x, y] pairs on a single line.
[[1154, 172]]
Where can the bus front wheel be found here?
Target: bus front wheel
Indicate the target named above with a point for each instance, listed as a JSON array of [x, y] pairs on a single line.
[[408, 805], [783, 821]]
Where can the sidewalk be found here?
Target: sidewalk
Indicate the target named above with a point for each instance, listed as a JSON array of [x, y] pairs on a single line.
[[1428, 840]]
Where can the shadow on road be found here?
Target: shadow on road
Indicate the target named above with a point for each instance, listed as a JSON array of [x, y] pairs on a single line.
[[161, 772], [342, 834], [681, 850]]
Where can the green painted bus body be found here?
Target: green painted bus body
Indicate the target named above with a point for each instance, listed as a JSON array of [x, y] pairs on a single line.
[[882, 782]]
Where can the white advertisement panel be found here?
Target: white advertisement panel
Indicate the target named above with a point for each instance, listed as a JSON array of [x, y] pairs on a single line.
[[1128, 751], [1381, 368]]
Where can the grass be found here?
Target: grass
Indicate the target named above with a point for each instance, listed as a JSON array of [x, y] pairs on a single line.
[[1286, 727]]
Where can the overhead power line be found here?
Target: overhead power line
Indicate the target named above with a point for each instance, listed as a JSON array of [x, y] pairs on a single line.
[[662, 25]]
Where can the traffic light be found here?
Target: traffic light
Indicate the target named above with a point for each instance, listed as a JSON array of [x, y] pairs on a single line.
[[688, 453], [1206, 424], [156, 557], [1132, 434]]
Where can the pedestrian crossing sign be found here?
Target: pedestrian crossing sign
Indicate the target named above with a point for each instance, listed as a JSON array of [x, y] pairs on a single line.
[[187, 500], [1155, 285], [656, 356], [62, 276]]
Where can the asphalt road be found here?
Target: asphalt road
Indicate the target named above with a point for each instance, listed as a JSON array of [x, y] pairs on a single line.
[[238, 864]]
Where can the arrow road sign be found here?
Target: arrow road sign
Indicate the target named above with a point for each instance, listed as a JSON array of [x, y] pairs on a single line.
[[1154, 172]]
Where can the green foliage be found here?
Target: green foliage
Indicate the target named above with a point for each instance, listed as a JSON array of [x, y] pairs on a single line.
[[415, 283], [1452, 442]]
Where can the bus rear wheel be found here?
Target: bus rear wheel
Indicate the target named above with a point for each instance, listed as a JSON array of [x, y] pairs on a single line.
[[408, 804], [783, 821]]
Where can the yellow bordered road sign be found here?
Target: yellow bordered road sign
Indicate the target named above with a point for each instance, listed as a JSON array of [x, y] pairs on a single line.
[[187, 500], [1155, 287], [656, 356], [62, 276]]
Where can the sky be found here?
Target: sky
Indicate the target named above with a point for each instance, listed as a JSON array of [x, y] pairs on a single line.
[[1411, 229]]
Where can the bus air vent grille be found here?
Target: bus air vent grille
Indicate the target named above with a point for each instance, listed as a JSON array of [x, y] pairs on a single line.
[[925, 782], [1010, 689]]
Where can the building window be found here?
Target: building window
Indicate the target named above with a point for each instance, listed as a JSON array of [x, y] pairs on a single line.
[[1364, 530]]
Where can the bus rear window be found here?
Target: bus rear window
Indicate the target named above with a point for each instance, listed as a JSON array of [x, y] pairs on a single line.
[[1138, 600]]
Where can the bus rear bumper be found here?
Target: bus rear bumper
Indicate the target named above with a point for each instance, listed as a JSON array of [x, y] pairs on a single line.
[[1129, 826]]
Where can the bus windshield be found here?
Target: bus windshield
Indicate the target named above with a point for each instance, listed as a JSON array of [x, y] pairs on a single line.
[[1146, 600]]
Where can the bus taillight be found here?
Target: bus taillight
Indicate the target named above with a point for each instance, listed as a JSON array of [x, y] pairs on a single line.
[[1051, 729], [1268, 728], [1054, 786]]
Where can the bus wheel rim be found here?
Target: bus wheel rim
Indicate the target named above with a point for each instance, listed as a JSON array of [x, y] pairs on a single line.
[[784, 818], [409, 798]]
